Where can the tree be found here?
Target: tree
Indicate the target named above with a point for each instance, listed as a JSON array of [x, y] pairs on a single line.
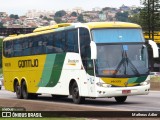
[[134, 19], [1, 25], [74, 14], [60, 13], [41, 16], [150, 16], [57, 19], [80, 18], [14, 16], [122, 16]]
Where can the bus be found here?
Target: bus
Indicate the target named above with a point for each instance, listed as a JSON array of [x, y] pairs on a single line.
[[82, 60], [154, 63], [156, 36]]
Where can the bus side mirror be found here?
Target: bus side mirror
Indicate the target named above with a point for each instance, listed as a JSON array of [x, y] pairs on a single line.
[[93, 50], [154, 48]]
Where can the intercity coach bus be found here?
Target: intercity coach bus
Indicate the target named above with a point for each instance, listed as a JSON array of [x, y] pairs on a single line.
[[84, 60]]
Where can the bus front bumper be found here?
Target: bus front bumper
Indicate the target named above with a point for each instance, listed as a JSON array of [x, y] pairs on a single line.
[[122, 91]]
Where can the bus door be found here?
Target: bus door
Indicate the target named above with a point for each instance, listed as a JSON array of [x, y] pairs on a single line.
[[86, 60]]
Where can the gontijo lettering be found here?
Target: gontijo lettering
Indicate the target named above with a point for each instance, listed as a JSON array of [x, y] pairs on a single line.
[[28, 63]]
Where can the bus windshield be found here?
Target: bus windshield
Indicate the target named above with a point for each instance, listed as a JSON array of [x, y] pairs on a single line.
[[117, 35], [120, 59]]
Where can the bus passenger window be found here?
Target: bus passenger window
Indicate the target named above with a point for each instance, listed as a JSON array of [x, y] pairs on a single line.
[[25, 47], [72, 41], [17, 47], [8, 49]]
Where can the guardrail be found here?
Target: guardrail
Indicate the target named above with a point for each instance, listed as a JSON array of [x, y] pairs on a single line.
[[11, 31]]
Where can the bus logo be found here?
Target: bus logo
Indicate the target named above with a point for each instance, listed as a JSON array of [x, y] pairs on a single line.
[[28, 63], [72, 62]]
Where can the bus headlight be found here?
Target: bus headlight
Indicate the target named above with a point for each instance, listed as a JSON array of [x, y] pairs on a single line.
[[145, 83], [103, 84]]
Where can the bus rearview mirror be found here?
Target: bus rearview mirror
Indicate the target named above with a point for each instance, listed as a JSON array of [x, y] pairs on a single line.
[[154, 48], [93, 50]]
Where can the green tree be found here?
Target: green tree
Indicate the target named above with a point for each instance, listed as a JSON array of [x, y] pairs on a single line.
[[150, 16], [134, 19], [1, 25], [122, 16], [80, 18], [60, 13], [57, 20], [14, 16], [74, 14]]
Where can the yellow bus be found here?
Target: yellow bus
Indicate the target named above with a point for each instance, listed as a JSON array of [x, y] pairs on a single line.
[[156, 36], [85, 60], [154, 63]]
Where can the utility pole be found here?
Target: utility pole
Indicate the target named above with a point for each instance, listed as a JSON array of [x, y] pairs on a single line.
[[152, 19], [149, 19]]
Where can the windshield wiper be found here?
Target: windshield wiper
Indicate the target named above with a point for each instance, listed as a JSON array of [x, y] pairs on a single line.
[[126, 62]]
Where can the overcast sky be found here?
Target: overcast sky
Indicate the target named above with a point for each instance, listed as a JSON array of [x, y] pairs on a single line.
[[20, 7]]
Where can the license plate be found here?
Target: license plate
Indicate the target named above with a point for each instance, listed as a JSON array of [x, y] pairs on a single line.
[[126, 91]]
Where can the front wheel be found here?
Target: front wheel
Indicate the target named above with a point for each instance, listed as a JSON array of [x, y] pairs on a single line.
[[77, 99], [121, 99]]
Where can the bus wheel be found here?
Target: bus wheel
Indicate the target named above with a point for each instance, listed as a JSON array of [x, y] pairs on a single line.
[[18, 91], [75, 94], [121, 99], [24, 91]]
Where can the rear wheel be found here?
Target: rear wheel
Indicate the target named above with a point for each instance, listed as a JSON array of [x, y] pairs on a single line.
[[18, 91], [77, 99], [25, 93], [121, 99]]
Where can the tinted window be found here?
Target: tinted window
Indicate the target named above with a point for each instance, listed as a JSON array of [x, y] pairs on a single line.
[[72, 41], [8, 48], [57, 42], [85, 50], [17, 47]]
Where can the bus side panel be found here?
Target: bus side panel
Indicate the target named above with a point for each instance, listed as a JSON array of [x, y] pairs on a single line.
[[28, 68], [71, 70]]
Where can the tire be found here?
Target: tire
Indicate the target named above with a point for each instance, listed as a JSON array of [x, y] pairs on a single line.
[[121, 99], [25, 93], [75, 94], [18, 91]]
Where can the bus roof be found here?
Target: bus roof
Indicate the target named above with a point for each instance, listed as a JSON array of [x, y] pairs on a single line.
[[94, 25], [63, 26]]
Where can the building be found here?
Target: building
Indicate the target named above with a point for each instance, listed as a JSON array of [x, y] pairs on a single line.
[[3, 14]]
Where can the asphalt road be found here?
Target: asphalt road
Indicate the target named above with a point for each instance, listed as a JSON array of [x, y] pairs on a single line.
[[149, 102]]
